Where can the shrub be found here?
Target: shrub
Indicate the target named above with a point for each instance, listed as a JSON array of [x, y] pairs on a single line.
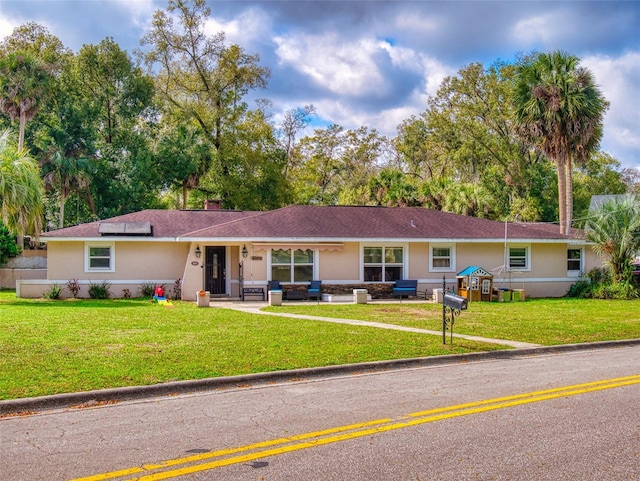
[[581, 289], [147, 289], [599, 275], [53, 292], [602, 286], [100, 290], [615, 290], [177, 289], [8, 246], [74, 287]]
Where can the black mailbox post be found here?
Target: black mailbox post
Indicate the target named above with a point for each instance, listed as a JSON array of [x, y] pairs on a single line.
[[452, 304]]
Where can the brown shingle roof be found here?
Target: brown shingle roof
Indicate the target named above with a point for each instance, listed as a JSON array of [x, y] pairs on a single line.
[[164, 223], [317, 223], [358, 222]]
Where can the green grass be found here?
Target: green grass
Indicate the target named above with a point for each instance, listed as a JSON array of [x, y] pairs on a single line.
[[538, 321], [50, 347]]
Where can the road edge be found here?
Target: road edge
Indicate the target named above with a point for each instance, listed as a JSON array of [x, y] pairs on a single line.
[[116, 395]]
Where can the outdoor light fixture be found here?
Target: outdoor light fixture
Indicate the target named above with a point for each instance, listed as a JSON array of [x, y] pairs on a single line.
[[198, 252], [245, 252]]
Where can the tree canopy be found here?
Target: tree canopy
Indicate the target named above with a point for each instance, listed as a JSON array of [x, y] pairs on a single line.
[[172, 126]]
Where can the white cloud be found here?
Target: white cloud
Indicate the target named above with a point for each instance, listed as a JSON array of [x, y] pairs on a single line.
[[619, 79], [7, 25], [434, 73], [344, 68], [539, 30], [249, 26], [140, 11]]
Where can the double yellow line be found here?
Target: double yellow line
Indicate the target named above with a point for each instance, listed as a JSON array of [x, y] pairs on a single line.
[[225, 457]]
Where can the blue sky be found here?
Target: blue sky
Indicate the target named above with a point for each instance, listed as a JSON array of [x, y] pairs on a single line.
[[375, 63]]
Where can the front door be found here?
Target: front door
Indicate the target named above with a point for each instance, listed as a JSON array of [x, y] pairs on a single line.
[[215, 273]]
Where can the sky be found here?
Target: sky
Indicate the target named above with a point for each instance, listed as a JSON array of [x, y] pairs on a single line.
[[375, 63]]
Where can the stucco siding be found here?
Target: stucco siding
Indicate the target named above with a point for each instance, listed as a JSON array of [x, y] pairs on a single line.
[[133, 260], [65, 260], [340, 265], [488, 256], [135, 263], [418, 261]]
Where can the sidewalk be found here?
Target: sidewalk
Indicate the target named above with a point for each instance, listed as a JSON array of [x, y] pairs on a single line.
[[254, 307]]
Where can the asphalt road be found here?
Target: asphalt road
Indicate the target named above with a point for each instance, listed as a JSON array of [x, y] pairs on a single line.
[[569, 416]]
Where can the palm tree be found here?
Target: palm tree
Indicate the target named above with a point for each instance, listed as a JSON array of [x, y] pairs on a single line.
[[24, 81], [20, 189], [559, 108], [615, 231], [67, 174]]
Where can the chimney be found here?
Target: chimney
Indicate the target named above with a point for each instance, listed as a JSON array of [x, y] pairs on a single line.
[[210, 204]]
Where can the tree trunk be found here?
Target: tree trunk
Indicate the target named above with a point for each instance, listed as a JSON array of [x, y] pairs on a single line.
[[62, 202], [569, 194], [562, 192], [23, 122], [185, 192]]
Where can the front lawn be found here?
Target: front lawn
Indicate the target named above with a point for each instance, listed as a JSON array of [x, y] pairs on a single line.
[[538, 321], [50, 347]]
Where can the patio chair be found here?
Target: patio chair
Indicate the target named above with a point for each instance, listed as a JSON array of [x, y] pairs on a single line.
[[314, 291], [274, 286]]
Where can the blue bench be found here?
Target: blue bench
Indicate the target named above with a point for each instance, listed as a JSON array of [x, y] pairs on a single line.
[[405, 287]]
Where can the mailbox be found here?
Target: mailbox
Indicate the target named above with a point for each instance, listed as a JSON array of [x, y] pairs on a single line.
[[454, 301]]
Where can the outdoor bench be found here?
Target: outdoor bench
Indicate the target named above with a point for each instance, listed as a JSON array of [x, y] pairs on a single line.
[[253, 291], [405, 287]]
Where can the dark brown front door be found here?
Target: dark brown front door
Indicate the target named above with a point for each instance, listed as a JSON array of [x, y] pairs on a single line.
[[215, 272]]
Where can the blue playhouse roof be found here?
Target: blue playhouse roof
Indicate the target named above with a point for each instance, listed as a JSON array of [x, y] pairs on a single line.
[[474, 270]]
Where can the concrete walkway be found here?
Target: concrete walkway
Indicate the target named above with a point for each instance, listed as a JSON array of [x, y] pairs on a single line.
[[254, 307]]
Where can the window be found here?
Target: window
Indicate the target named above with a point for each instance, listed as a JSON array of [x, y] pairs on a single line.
[[383, 264], [442, 258], [288, 265], [100, 257], [519, 258], [574, 260]]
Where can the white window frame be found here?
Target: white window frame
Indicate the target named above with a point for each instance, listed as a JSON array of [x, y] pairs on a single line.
[[571, 272], [527, 257], [452, 257], [292, 264], [404, 264], [112, 256]]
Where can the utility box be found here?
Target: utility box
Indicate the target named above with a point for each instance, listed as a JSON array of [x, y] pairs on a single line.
[[438, 295], [275, 298], [360, 296], [518, 295], [203, 298]]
